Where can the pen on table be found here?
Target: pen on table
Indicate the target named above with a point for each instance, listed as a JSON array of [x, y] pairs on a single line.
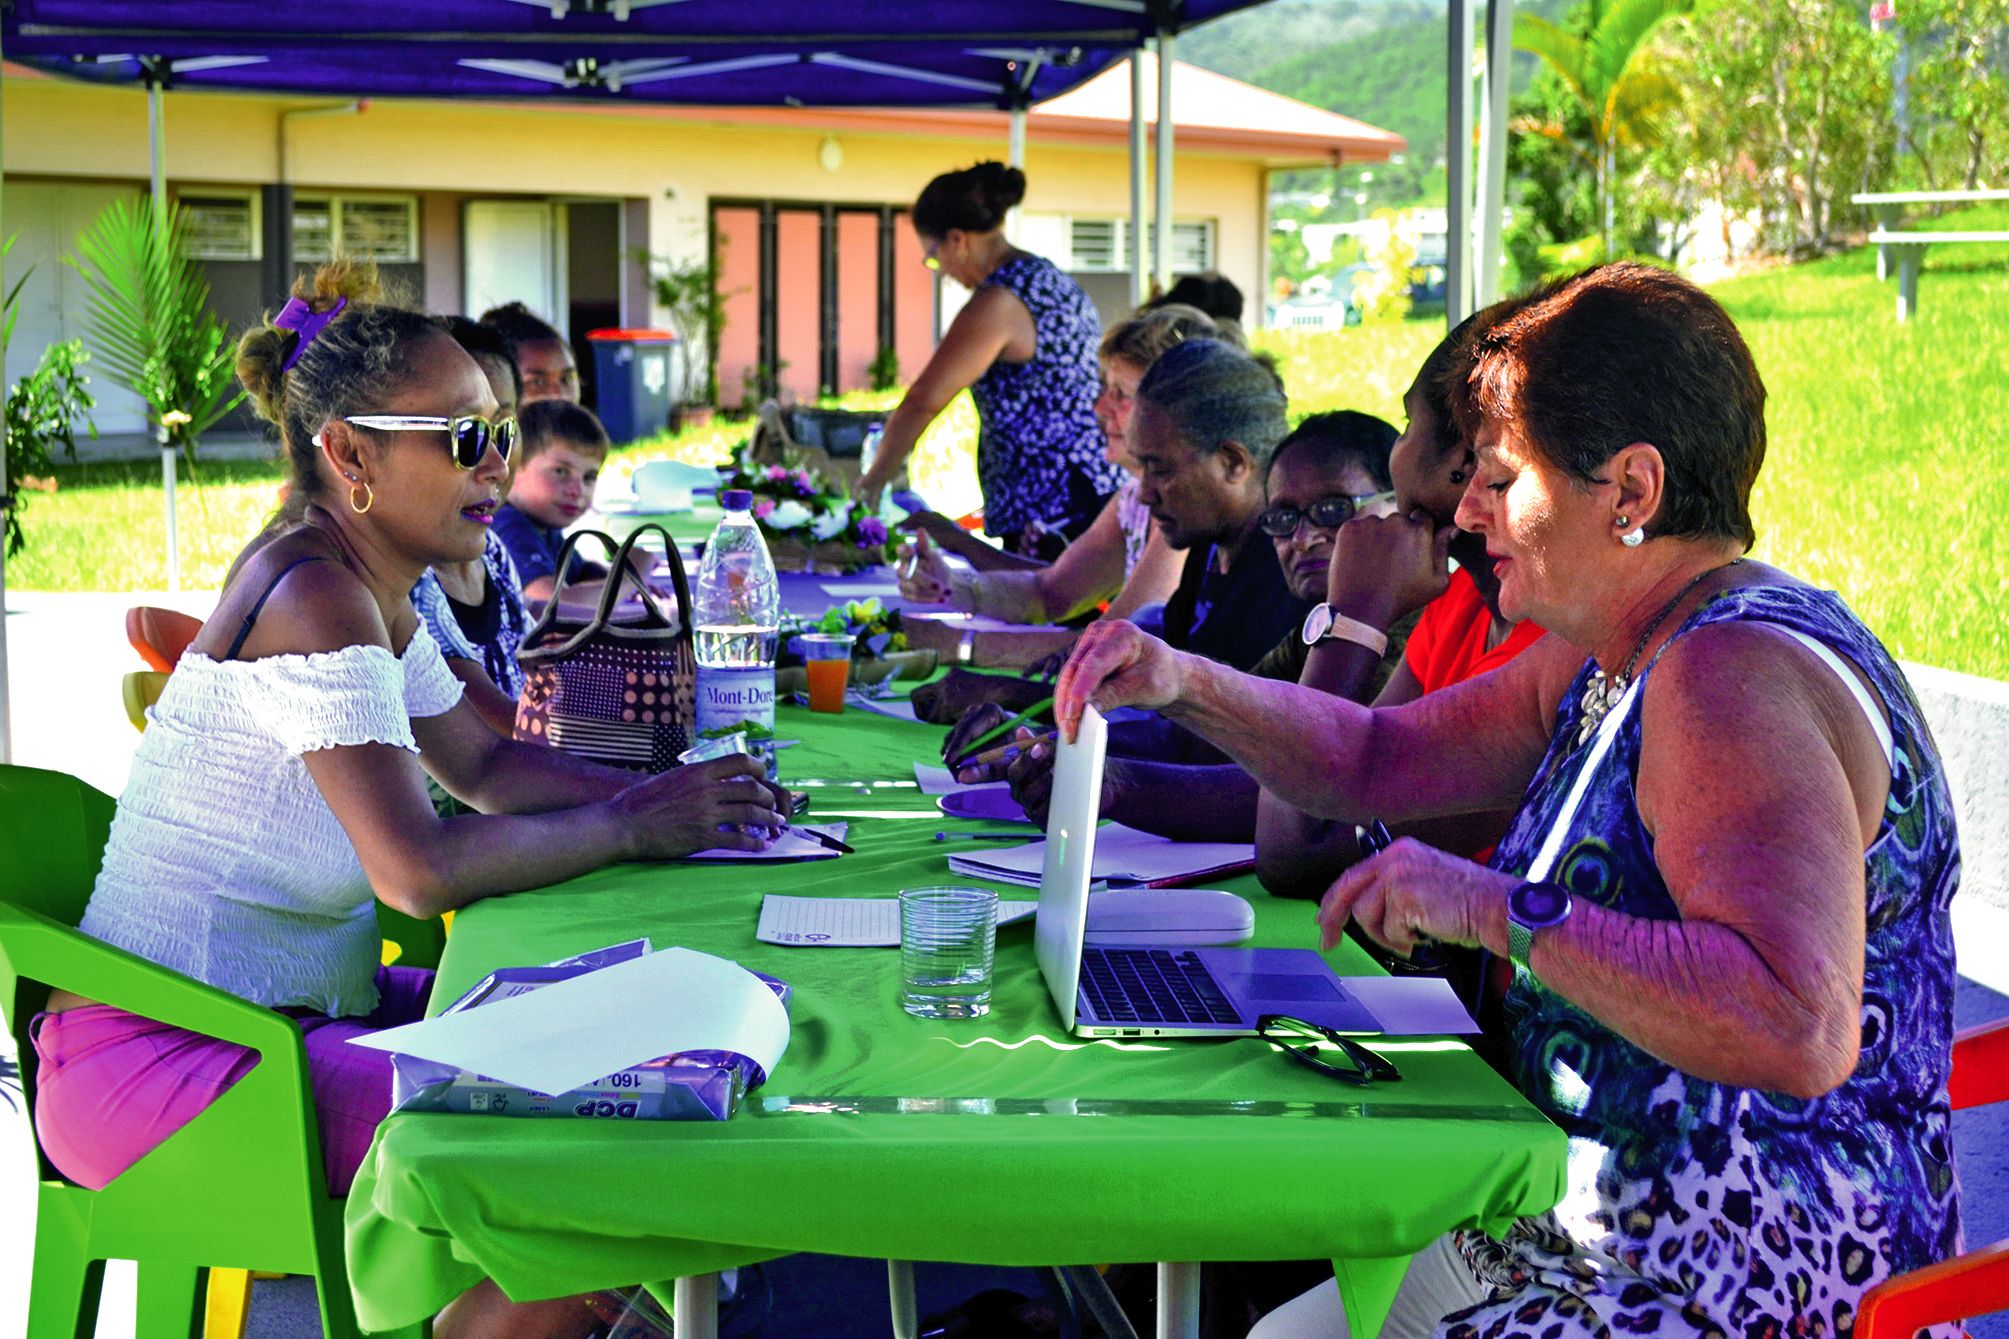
[[982, 836], [822, 839], [1000, 731]]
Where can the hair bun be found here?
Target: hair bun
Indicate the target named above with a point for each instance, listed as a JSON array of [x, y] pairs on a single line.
[[1003, 187], [262, 353]]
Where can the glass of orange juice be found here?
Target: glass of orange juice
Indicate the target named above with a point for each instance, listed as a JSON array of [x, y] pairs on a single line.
[[828, 656]]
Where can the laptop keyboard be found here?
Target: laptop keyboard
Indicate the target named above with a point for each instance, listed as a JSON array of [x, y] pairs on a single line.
[[1151, 985]]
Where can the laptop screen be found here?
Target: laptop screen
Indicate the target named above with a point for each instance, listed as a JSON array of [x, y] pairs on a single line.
[[1061, 922]]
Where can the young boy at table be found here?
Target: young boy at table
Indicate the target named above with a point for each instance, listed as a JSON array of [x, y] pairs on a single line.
[[558, 463]]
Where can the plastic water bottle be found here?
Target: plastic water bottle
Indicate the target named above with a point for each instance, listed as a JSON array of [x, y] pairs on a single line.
[[738, 612]]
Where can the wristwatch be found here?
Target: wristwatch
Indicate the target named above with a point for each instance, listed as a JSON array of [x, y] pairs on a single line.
[[1532, 907], [1326, 623]]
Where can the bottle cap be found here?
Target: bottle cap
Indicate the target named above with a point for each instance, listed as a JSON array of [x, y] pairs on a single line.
[[736, 499]]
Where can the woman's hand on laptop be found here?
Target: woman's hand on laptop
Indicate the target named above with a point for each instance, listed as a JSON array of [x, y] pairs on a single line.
[[1116, 664]]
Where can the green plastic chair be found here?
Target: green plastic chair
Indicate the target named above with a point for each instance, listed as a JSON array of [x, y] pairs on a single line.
[[239, 1186]]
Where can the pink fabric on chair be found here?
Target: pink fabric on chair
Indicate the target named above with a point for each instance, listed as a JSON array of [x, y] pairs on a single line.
[[112, 1085]]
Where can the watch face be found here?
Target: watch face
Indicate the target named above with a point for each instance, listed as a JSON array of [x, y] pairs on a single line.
[[1317, 623], [1537, 905]]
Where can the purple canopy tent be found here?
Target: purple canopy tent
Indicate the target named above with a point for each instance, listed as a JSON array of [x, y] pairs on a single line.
[[995, 53]]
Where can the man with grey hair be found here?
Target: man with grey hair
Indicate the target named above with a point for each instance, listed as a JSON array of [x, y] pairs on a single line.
[[1207, 418]]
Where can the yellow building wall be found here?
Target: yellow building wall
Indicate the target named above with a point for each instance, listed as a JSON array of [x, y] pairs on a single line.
[[59, 128]]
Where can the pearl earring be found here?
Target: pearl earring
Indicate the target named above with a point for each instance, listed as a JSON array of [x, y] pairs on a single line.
[[1632, 539]]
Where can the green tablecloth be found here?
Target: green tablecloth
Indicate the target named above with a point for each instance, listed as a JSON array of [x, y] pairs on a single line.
[[1000, 1141]]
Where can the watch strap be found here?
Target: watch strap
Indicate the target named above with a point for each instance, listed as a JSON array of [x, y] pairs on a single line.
[[1353, 630], [1520, 942]]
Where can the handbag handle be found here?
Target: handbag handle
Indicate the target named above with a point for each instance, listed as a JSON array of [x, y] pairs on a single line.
[[610, 593]]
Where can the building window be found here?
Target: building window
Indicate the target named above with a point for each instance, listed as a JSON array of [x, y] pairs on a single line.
[[1192, 247], [1102, 246], [222, 225], [383, 228]]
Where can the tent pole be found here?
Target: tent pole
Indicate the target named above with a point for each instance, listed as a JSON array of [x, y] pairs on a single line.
[[6, 506], [1458, 165], [156, 136], [1493, 147], [1140, 285], [1015, 156], [1161, 222]]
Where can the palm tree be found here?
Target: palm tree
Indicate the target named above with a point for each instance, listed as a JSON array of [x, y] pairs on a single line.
[[1606, 70]]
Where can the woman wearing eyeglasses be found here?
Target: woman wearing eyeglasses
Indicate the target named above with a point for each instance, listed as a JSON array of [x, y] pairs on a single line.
[[279, 790], [1024, 347], [1725, 888]]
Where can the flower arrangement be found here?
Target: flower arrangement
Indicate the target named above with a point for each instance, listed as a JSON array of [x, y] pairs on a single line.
[[796, 506], [876, 627]]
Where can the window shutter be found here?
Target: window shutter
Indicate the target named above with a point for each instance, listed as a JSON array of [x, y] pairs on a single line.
[[222, 226]]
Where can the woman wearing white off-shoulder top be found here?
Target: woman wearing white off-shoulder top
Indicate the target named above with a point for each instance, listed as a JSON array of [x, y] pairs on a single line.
[[280, 787]]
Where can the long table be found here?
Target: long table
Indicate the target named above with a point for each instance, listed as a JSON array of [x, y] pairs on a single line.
[[1001, 1141]]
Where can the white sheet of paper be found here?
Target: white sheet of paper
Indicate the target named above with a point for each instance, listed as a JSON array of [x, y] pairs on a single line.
[[847, 922], [1412, 1006], [790, 845], [572, 1032], [1120, 852], [859, 590], [899, 708], [972, 622], [936, 780]]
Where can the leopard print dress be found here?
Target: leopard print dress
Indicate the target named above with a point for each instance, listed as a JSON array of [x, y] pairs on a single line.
[[1698, 1209]]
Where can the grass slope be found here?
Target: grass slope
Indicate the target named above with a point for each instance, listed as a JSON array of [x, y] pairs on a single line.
[[1883, 480]]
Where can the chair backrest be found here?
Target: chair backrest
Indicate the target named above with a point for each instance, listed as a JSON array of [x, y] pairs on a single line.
[[160, 635], [1980, 1066], [52, 839], [140, 690]]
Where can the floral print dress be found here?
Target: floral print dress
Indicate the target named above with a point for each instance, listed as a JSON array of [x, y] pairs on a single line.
[[1040, 452], [1698, 1209]]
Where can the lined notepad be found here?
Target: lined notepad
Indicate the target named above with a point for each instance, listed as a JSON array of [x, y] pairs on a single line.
[[846, 922]]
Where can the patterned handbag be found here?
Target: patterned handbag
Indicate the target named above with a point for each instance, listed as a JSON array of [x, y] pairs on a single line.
[[623, 694]]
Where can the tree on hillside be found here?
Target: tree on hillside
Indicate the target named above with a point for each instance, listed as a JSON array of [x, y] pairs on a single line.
[[1788, 111], [1606, 67], [1957, 89]]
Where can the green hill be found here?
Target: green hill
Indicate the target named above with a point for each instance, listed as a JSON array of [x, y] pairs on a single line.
[[1378, 61]]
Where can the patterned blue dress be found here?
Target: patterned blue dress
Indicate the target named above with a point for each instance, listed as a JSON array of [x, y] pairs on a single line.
[[1040, 451], [1695, 1208], [502, 608]]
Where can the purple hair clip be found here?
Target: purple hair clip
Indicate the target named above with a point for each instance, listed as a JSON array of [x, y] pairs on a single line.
[[305, 322]]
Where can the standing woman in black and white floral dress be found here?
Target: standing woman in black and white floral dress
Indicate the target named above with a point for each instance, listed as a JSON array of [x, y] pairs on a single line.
[[1025, 347]]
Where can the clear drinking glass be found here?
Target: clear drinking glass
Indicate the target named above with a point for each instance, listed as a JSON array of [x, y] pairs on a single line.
[[948, 939]]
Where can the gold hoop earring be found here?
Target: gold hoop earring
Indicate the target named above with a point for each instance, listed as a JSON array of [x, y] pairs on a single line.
[[369, 498]]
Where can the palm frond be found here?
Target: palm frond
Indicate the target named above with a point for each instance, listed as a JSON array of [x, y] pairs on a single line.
[[1562, 51], [149, 316], [1621, 34]]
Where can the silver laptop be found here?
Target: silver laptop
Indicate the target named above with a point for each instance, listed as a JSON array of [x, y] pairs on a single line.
[[1166, 991]]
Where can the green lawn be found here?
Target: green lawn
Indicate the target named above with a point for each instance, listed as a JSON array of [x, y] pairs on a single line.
[[1882, 480]]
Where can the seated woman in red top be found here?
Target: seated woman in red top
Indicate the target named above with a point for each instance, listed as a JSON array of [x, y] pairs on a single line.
[[1384, 568]]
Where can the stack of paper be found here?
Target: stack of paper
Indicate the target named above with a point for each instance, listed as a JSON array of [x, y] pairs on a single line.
[[792, 844], [1122, 856]]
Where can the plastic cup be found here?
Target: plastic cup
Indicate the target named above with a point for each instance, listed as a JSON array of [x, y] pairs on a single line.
[[948, 939], [828, 657]]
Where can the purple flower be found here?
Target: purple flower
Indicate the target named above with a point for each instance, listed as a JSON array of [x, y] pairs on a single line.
[[762, 507], [802, 487], [871, 532]]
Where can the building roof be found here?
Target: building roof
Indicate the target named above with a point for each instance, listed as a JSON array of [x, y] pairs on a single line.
[[1212, 107], [1211, 113]]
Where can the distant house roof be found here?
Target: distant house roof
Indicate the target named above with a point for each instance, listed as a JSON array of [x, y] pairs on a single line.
[[1211, 109]]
